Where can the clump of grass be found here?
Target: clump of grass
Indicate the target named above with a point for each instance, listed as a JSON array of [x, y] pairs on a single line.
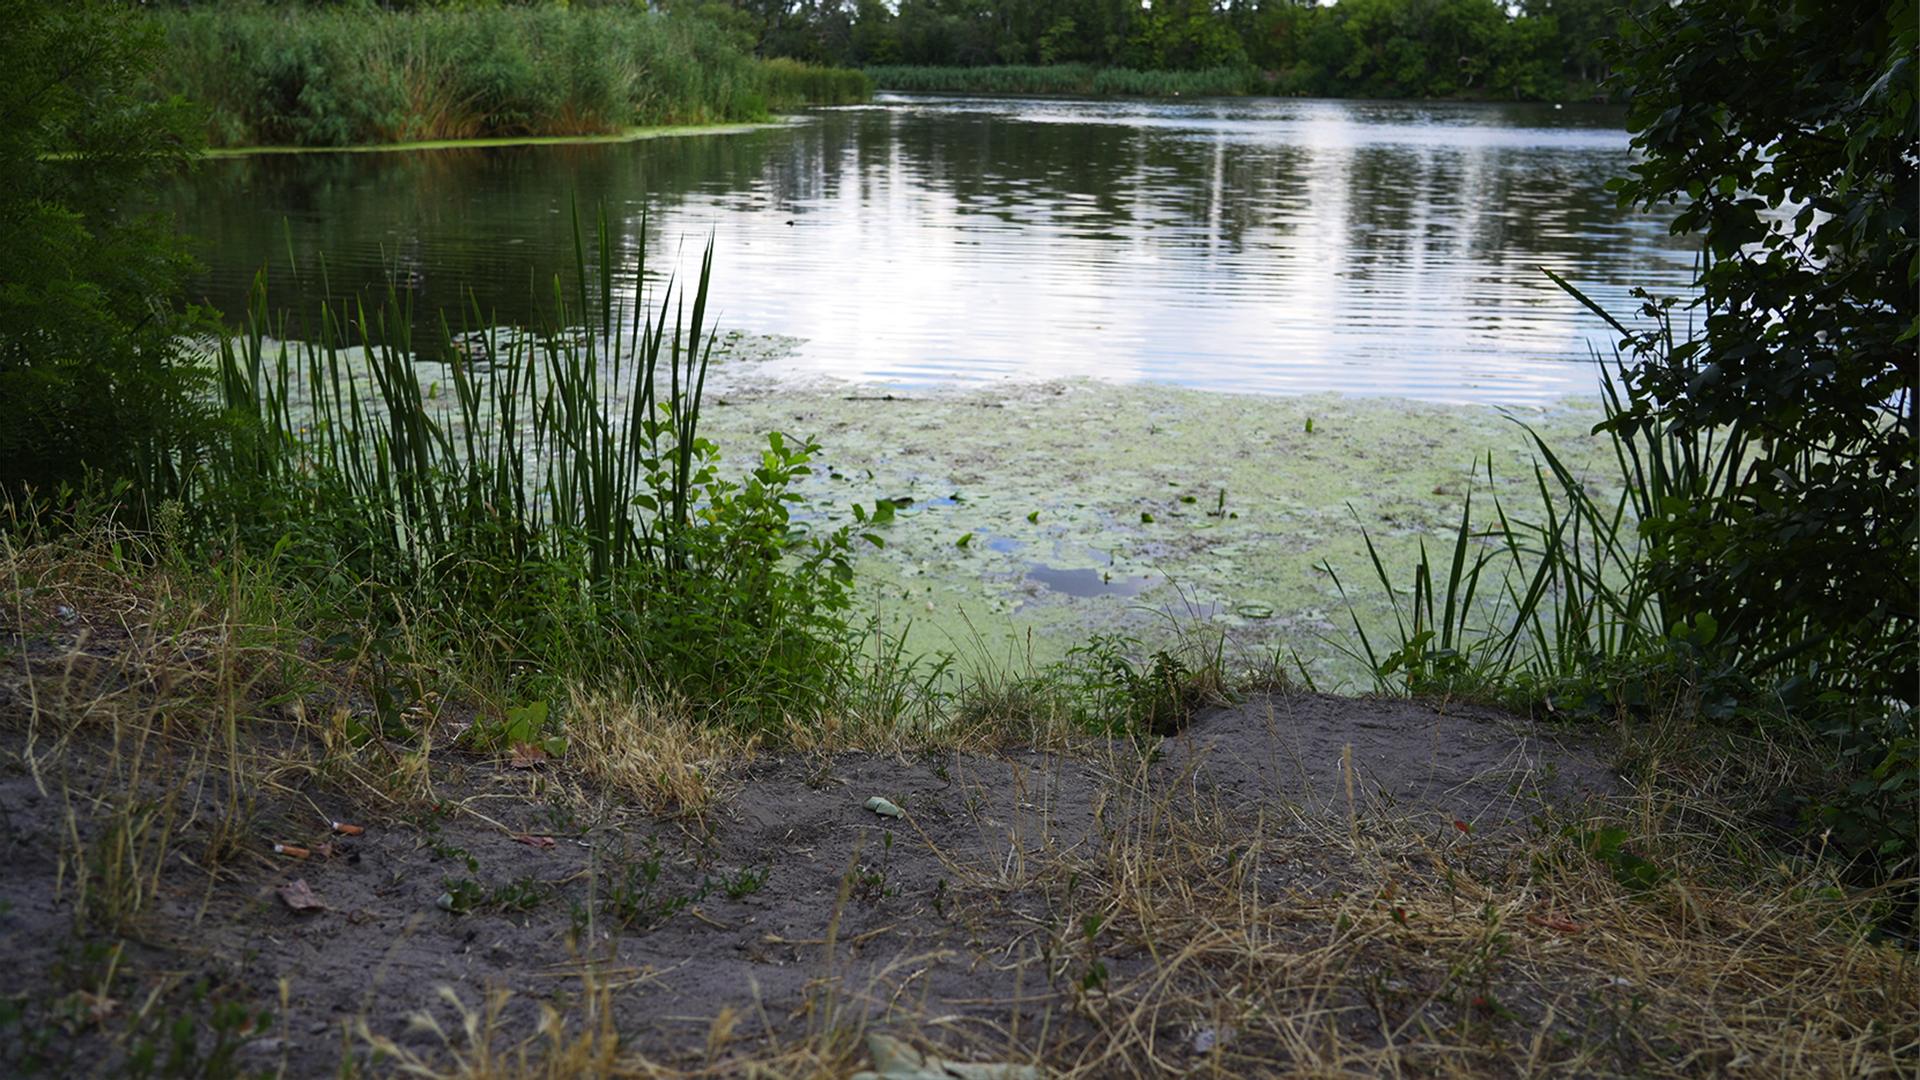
[[1608, 606], [648, 748], [791, 84]]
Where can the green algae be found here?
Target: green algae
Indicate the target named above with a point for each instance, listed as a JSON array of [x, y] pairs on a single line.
[[1145, 510], [1026, 518]]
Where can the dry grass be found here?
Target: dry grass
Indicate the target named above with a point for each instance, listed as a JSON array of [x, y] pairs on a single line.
[[1386, 950], [648, 749], [1194, 938]]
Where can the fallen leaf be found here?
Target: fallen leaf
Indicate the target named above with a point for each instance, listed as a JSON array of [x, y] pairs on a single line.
[[1555, 922], [297, 895], [534, 841], [527, 756]]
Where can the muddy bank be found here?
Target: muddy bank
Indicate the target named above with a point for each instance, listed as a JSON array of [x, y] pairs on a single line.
[[789, 907]]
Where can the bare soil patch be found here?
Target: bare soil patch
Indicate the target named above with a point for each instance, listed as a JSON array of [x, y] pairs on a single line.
[[789, 906]]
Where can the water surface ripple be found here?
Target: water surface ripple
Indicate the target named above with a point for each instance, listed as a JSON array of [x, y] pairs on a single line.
[[1243, 245]]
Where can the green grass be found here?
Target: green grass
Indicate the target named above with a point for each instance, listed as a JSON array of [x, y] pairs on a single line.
[[332, 77], [1080, 80]]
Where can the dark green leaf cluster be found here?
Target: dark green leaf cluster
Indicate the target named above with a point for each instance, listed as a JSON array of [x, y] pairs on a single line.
[[90, 370], [1785, 133]]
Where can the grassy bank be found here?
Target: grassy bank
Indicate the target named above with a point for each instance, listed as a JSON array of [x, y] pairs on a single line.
[[1083, 80], [339, 78], [205, 777]]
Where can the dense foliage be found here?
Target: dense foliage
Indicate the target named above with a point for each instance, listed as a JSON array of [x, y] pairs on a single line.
[[340, 76], [541, 504], [1787, 134], [1364, 48], [89, 368], [1536, 49]]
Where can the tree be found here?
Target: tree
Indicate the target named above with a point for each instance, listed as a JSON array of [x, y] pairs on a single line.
[[91, 366], [1784, 131]]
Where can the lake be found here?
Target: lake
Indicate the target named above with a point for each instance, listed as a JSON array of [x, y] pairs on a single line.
[[1262, 246]]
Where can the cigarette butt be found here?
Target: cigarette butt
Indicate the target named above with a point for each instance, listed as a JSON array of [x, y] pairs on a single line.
[[345, 829], [291, 851]]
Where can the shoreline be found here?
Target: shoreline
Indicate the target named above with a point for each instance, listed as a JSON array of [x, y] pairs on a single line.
[[627, 135]]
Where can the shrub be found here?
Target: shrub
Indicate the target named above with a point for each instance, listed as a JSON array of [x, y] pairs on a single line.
[[90, 369]]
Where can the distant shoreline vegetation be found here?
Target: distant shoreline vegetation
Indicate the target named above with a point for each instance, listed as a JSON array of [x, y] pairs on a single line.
[[1087, 80], [356, 77], [1084, 80], [1491, 50]]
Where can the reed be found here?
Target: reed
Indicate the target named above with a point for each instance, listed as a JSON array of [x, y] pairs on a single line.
[[337, 77], [1558, 593], [547, 494]]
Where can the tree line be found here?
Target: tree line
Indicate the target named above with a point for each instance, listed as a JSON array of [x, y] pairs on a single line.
[[1539, 49], [1529, 49]]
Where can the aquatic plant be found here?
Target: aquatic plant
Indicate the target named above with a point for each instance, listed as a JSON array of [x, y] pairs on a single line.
[[335, 77], [547, 493]]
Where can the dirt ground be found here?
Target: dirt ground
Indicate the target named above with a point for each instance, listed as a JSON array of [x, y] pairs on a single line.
[[788, 909]]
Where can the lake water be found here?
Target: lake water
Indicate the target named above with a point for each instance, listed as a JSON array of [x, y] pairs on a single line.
[[1245, 245]]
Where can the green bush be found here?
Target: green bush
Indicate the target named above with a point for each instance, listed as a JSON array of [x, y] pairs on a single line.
[[1785, 135], [91, 372]]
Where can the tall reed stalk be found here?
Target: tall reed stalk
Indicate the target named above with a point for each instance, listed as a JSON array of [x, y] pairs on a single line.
[[1582, 583], [535, 443]]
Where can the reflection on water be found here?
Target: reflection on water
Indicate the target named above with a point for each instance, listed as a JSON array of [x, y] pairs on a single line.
[[1084, 582], [1261, 246]]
